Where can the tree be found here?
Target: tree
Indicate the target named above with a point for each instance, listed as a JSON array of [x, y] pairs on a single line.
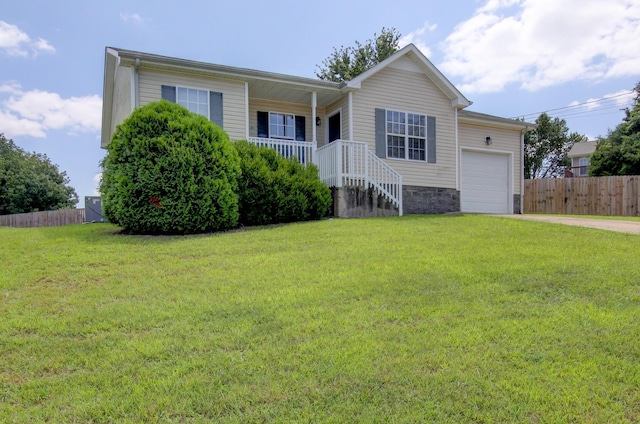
[[346, 63], [619, 152], [29, 182], [546, 148], [170, 171]]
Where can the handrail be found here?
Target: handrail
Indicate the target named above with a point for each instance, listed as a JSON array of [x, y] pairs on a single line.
[[351, 163], [343, 163]]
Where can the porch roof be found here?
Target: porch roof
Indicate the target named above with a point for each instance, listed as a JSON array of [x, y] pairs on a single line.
[[262, 84], [470, 117]]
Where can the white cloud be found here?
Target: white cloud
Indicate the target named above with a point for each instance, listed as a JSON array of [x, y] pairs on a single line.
[[15, 42], [537, 44], [618, 100], [35, 112], [133, 18], [417, 38]]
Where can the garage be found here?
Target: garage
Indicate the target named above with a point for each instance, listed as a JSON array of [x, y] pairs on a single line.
[[485, 182]]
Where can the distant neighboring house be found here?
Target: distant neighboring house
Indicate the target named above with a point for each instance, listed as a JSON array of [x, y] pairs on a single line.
[[580, 155], [394, 140]]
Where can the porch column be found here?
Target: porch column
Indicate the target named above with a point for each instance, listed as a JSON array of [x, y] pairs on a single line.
[[350, 97], [314, 105], [246, 109]]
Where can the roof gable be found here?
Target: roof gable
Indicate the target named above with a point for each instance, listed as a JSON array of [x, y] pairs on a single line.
[[410, 58], [583, 149]]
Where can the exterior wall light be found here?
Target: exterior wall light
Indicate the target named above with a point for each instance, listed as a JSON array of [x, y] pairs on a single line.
[[488, 140], [317, 121]]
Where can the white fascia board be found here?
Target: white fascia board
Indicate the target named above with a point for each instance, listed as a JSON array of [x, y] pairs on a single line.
[[458, 99], [111, 62]]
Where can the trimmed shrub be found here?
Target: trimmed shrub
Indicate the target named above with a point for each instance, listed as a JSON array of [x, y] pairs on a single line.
[[274, 189], [170, 171]]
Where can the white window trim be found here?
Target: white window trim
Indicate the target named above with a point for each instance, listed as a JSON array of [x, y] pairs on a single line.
[[583, 166], [278, 137], [406, 135], [178, 87]]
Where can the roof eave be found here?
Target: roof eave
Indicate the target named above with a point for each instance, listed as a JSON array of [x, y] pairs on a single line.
[[470, 117], [458, 100], [225, 71]]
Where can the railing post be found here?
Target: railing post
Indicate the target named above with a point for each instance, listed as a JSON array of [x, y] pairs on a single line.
[[366, 168], [339, 163], [314, 152], [400, 196]]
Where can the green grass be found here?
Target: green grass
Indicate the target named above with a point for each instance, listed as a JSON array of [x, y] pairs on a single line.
[[462, 319]]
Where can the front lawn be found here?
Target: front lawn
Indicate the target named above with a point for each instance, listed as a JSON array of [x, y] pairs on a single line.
[[413, 319]]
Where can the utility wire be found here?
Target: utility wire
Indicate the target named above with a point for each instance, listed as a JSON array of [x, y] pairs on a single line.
[[570, 110]]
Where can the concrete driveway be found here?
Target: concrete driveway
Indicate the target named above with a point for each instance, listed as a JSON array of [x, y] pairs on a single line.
[[601, 224]]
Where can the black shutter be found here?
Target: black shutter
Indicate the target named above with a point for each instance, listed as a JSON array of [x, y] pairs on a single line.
[[169, 93], [300, 128], [381, 133], [215, 108], [263, 124], [431, 139]]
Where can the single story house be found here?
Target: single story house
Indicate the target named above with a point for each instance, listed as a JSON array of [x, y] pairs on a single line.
[[580, 155], [394, 140]]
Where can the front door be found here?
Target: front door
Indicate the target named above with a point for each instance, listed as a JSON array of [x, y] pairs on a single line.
[[334, 127]]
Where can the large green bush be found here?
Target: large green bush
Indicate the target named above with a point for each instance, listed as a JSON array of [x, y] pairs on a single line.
[[274, 189], [169, 171]]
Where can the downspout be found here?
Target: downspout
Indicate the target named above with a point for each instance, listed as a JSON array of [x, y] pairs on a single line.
[[522, 168], [455, 118], [136, 84]]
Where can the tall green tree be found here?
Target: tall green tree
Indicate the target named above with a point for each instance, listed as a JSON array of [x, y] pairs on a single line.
[[619, 152], [346, 63], [29, 182], [546, 148]]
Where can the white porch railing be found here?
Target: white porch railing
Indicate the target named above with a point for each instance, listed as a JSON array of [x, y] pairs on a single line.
[[303, 150], [351, 163]]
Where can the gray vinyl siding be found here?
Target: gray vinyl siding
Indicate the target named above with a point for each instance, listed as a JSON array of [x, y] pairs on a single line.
[[297, 109], [472, 136], [408, 91], [151, 81]]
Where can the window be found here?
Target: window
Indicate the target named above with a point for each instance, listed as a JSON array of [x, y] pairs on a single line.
[[417, 131], [195, 100], [584, 166], [406, 135], [284, 126], [203, 102], [281, 125]]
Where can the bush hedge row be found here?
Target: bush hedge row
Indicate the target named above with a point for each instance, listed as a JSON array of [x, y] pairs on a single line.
[[170, 171]]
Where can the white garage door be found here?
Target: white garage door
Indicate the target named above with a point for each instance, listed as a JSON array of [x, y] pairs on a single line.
[[484, 183]]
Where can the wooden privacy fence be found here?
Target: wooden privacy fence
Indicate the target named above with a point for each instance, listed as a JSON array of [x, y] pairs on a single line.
[[43, 219], [616, 196]]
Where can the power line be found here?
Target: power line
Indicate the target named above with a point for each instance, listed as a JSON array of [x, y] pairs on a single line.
[[570, 108]]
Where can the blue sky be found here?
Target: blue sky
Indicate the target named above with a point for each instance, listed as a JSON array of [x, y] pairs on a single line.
[[576, 58]]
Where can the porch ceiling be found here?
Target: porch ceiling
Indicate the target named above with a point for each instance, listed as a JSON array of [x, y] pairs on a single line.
[[292, 93]]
